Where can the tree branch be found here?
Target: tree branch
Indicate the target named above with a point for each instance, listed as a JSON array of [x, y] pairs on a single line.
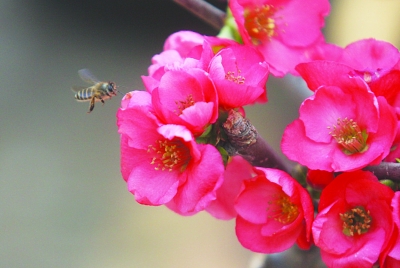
[[386, 171], [244, 140], [204, 11]]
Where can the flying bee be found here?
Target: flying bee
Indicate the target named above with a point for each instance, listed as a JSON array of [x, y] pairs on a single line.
[[99, 91]]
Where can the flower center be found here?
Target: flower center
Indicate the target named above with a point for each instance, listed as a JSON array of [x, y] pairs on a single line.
[[349, 135], [259, 23], [282, 210], [236, 78], [169, 155], [368, 75], [356, 221], [182, 105]]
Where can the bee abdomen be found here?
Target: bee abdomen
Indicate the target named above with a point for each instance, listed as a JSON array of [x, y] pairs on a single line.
[[84, 94]]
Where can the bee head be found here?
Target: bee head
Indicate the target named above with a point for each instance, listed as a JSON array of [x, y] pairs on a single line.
[[111, 88]]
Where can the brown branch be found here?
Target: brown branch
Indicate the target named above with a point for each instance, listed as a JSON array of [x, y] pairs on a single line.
[[386, 171], [204, 11], [244, 140]]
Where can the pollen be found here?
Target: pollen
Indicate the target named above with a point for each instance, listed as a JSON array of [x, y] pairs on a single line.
[[349, 136], [183, 104], [169, 155], [259, 23], [356, 221], [282, 210], [235, 77]]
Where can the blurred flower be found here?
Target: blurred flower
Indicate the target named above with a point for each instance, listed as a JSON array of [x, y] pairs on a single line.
[[284, 31], [354, 224], [274, 212]]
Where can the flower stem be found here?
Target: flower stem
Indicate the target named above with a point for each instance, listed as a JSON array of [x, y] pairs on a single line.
[[204, 11], [244, 140]]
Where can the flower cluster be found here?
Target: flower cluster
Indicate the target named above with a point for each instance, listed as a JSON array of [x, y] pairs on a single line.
[[349, 123], [164, 158], [176, 152]]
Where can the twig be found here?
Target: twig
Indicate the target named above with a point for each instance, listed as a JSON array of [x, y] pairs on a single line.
[[204, 11]]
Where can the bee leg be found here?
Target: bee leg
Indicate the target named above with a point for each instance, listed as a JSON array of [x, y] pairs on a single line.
[[91, 107], [109, 95]]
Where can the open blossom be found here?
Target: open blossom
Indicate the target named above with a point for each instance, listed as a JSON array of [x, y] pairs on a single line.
[[354, 224], [342, 127], [186, 97], [237, 170], [376, 62], [240, 75], [162, 164], [274, 212], [284, 31]]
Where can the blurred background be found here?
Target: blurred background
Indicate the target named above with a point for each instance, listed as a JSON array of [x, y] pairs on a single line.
[[63, 202]]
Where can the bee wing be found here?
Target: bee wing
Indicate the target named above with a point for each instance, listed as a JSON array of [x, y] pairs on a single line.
[[77, 88], [87, 76]]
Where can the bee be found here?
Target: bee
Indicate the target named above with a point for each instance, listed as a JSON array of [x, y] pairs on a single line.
[[99, 91]]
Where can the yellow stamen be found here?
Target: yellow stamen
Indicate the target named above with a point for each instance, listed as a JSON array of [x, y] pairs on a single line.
[[356, 221], [283, 210], [169, 155], [349, 136]]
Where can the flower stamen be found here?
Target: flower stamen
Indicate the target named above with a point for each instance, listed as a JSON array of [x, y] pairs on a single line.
[[169, 155], [356, 221], [283, 210], [259, 23], [238, 79], [349, 135], [182, 105]]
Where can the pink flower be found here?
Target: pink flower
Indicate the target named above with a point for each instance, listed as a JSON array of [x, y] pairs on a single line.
[[393, 258], [240, 75], [354, 223], [162, 164], [284, 31], [184, 42], [236, 172], [186, 98], [182, 50], [342, 127], [376, 62], [371, 58], [274, 212]]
